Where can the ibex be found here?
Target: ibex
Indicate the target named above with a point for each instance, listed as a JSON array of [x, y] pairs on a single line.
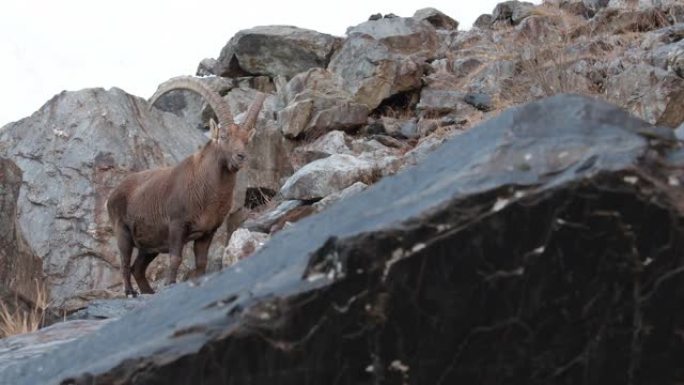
[[160, 210]]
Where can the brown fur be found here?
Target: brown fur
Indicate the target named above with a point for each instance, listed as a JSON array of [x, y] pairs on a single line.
[[160, 210]]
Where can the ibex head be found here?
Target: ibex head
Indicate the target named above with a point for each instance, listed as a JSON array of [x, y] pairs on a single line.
[[228, 137], [233, 138]]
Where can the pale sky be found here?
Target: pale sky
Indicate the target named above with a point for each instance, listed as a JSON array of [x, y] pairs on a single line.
[[48, 46]]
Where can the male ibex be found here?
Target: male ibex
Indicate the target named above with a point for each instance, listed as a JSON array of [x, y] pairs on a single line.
[[160, 210]]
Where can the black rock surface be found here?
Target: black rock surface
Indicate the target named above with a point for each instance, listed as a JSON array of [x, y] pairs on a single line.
[[542, 247]]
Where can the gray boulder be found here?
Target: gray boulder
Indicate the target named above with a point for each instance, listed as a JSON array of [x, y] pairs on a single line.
[[484, 21], [242, 244], [326, 176], [482, 102], [399, 34], [382, 58], [334, 142], [435, 17], [206, 67], [316, 104], [275, 50]]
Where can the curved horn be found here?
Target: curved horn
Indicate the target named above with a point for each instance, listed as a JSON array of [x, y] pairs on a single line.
[[216, 102], [253, 112]]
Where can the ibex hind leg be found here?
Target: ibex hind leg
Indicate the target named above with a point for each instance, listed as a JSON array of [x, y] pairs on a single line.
[[125, 242], [143, 260]]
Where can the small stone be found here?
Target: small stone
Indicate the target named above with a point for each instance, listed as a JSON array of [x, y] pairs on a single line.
[[482, 102]]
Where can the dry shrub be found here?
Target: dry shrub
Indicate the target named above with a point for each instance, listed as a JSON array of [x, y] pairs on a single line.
[[17, 319]]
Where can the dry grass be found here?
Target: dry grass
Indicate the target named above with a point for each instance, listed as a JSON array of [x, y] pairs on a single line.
[[545, 58], [16, 319]]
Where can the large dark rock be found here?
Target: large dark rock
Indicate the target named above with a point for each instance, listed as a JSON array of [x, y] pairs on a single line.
[[275, 50], [544, 246]]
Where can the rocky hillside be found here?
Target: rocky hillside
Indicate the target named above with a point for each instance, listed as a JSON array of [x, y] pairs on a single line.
[[553, 227]]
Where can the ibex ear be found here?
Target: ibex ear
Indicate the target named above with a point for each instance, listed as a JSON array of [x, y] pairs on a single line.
[[213, 129], [251, 134]]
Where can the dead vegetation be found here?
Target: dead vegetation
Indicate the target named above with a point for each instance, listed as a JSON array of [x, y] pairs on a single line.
[[551, 58], [20, 316]]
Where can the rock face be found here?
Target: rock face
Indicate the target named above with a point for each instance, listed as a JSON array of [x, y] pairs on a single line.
[[384, 57], [73, 151], [554, 227], [21, 271], [317, 104], [275, 50], [334, 142], [661, 94]]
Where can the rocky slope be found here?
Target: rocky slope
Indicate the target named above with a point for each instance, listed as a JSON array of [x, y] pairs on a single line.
[[544, 245], [532, 204]]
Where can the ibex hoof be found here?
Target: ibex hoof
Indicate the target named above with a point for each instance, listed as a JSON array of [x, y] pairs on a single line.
[[131, 293]]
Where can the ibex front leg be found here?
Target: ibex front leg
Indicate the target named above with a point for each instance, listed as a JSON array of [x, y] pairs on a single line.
[[176, 242], [201, 249]]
